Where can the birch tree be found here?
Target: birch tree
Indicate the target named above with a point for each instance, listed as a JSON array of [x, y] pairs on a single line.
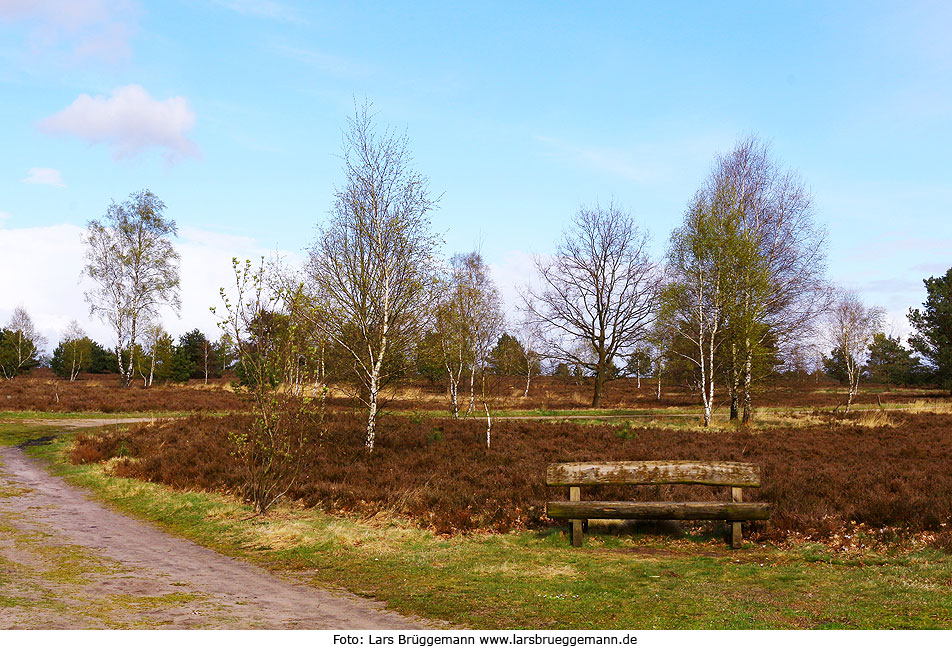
[[154, 336], [487, 326], [701, 256], [73, 354], [778, 277], [527, 333], [467, 300], [134, 268], [20, 344], [596, 294], [371, 267], [852, 326]]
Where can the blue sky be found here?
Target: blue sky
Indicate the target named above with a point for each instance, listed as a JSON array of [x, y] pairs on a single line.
[[231, 111]]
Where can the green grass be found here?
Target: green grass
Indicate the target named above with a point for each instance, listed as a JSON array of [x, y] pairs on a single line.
[[536, 580]]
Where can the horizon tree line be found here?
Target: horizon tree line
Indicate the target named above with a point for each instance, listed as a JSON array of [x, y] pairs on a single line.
[[741, 289]]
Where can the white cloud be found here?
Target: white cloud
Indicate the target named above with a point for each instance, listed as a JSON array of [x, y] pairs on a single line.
[[83, 28], [512, 273], [52, 290], [4, 216], [44, 176], [130, 121]]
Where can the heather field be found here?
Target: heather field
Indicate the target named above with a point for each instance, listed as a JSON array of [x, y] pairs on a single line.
[[436, 525], [41, 391], [883, 475]]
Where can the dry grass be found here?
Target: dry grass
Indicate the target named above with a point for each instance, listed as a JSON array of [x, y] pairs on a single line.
[[937, 406], [516, 571], [880, 418]]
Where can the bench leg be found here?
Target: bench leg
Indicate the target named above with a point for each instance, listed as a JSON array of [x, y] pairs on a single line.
[[575, 494], [737, 533], [576, 533]]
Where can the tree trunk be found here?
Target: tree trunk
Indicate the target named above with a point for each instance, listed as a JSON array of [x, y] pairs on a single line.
[[709, 391], [372, 409], [735, 383], [472, 390], [489, 420], [125, 370], [454, 399], [748, 373], [599, 383], [854, 386]]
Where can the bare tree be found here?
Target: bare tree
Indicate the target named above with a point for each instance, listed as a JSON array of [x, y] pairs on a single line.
[[597, 292], [20, 344], [134, 267], [851, 328], [370, 268]]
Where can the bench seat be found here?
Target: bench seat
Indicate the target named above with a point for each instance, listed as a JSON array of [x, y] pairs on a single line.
[[659, 510]]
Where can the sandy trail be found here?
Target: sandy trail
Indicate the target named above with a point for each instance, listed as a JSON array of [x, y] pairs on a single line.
[[69, 562]]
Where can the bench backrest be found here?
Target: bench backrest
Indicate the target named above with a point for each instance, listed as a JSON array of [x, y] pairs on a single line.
[[598, 473]]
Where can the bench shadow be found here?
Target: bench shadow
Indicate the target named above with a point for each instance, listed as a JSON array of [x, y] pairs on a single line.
[[701, 532]]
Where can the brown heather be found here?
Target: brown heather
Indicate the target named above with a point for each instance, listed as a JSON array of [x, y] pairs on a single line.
[[43, 392], [822, 478]]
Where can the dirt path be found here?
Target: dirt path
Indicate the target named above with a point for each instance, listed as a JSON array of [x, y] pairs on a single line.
[[68, 562]]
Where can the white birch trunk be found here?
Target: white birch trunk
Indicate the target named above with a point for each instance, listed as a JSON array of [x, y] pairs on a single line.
[[472, 390]]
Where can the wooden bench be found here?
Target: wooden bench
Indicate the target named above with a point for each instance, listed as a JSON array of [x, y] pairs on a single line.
[[627, 473]]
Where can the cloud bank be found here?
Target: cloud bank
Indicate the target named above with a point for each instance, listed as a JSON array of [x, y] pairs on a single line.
[[47, 262], [82, 29], [129, 121]]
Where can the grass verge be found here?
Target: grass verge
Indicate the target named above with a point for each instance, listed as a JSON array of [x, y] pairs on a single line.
[[618, 580]]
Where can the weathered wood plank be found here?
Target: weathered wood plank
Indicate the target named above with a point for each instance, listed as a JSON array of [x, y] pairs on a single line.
[[712, 473], [660, 510]]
